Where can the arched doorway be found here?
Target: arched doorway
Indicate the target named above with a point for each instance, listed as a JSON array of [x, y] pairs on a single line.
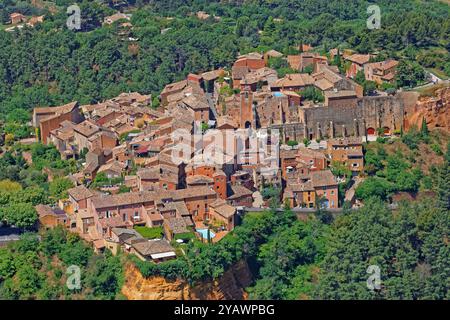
[[248, 124], [370, 131], [386, 131]]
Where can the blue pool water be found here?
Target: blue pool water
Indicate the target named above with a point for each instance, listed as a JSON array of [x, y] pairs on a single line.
[[278, 94], [204, 233]]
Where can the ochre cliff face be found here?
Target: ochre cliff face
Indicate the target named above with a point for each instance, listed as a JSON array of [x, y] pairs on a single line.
[[228, 287], [433, 109]]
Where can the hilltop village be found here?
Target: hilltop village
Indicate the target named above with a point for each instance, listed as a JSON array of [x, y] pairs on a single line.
[[130, 189]]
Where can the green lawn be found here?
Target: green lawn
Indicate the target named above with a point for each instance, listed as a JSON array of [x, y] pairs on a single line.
[[185, 236], [150, 233]]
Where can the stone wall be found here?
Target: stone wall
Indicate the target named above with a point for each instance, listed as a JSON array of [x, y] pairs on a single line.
[[371, 112], [290, 131]]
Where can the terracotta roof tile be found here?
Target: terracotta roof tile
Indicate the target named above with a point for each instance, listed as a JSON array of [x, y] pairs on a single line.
[[80, 193]]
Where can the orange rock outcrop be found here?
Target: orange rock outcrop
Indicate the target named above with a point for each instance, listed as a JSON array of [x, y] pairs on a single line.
[[433, 109], [230, 286]]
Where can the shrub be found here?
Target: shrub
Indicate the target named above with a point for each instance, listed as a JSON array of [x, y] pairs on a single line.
[[437, 149], [270, 193], [412, 138], [374, 187], [185, 236], [292, 143]]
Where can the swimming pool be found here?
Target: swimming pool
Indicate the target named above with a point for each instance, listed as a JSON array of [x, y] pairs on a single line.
[[204, 233]]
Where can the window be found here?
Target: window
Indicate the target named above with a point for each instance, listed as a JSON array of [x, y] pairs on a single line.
[[332, 192], [355, 165], [124, 217], [136, 215], [108, 214]]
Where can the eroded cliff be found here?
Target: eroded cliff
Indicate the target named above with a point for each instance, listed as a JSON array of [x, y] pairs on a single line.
[[228, 287]]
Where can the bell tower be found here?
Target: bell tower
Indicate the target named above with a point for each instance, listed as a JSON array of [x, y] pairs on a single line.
[[247, 118]]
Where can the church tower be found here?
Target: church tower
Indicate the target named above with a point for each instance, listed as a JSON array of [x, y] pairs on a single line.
[[247, 119]]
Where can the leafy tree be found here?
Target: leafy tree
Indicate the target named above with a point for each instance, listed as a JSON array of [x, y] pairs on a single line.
[[374, 187], [124, 189], [369, 87], [409, 74], [306, 142], [29, 280], [408, 247], [10, 186], [7, 268], [75, 253], [21, 215], [360, 78], [33, 195], [271, 193], [106, 278], [309, 69], [9, 139], [292, 143], [312, 94], [373, 162], [412, 138], [284, 258]]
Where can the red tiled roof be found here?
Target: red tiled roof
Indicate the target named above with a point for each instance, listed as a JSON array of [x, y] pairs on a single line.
[[359, 58]]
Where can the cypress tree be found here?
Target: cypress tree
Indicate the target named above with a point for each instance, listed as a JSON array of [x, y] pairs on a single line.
[[424, 129], [443, 182]]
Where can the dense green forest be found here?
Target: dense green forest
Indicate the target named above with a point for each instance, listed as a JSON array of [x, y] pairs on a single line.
[[37, 268]]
